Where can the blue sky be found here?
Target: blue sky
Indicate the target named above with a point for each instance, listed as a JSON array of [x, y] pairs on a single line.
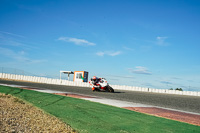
[[142, 43]]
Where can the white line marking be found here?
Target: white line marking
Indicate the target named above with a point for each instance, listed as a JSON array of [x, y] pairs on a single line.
[[116, 103], [13, 85]]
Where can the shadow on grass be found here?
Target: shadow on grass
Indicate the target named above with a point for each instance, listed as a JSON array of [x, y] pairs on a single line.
[[21, 90], [12, 91], [54, 102]]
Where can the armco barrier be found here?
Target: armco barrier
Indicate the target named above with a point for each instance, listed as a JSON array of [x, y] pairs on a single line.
[[81, 84]]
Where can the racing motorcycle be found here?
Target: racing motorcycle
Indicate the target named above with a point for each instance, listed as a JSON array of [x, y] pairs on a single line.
[[102, 85]]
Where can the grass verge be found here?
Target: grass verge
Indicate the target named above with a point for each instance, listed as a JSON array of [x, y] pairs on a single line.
[[85, 116]]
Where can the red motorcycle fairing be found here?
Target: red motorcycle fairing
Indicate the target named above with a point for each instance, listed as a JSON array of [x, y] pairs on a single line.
[[103, 88]]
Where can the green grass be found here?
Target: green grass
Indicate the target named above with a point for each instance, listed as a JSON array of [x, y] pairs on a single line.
[[85, 116]]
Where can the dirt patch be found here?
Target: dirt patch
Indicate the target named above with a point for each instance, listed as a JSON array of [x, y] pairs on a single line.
[[18, 116]]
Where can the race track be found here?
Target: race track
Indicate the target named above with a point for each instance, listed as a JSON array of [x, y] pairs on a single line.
[[179, 102]]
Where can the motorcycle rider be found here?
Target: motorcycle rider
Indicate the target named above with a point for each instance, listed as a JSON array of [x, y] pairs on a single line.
[[95, 81]]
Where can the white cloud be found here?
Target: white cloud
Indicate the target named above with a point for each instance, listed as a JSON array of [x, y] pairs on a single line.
[[166, 82], [100, 53], [17, 56], [12, 34], [161, 41], [127, 48], [10, 39], [76, 41], [140, 70], [119, 76], [114, 53], [109, 53]]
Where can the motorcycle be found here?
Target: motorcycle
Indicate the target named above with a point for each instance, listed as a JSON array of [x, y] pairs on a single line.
[[102, 85]]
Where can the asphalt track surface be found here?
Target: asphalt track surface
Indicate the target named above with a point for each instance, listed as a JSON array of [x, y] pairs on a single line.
[[179, 102]]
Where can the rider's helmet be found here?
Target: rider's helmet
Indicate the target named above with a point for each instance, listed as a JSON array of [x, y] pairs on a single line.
[[94, 78]]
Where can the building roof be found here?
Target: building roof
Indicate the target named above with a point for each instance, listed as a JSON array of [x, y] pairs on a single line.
[[67, 72]]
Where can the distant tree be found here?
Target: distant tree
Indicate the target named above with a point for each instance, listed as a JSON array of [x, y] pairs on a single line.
[[171, 89], [179, 89]]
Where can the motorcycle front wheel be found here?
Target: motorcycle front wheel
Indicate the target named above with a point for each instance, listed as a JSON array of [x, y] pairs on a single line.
[[110, 89]]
